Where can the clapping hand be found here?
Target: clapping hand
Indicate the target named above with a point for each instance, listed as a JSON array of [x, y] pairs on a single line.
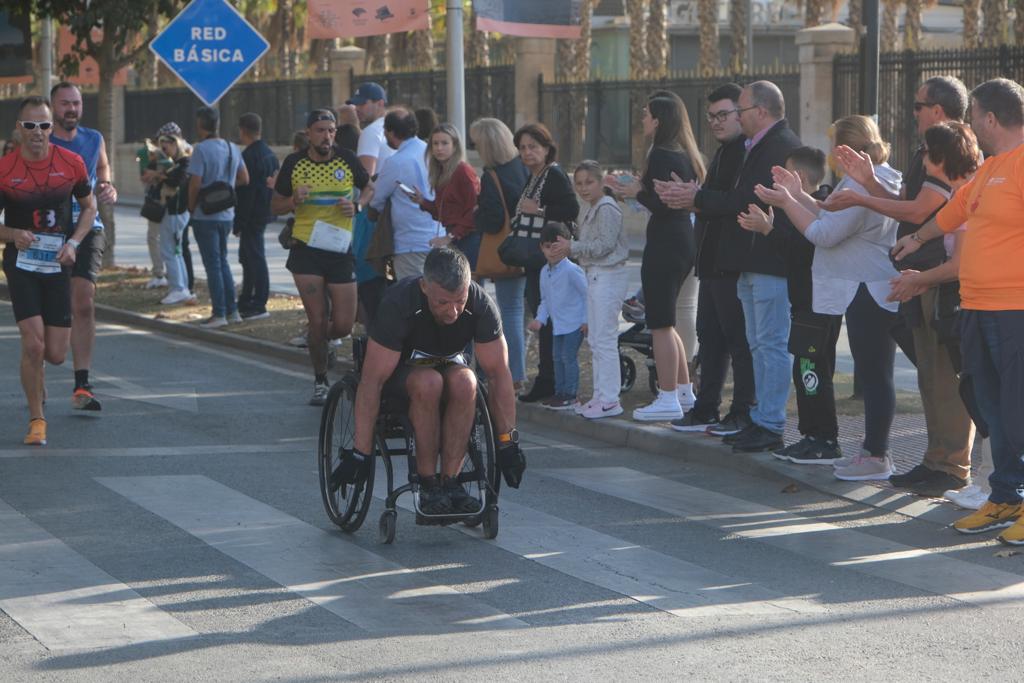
[[857, 165], [844, 199], [756, 220], [677, 193], [783, 177], [777, 195], [906, 286]]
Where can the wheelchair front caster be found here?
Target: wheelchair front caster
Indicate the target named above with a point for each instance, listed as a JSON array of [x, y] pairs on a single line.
[[490, 522], [388, 523]]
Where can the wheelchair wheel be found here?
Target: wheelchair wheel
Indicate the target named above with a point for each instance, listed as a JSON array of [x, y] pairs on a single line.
[[346, 504], [490, 520], [388, 524], [627, 372], [481, 455]]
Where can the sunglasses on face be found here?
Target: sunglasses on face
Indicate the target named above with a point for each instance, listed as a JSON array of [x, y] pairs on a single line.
[[31, 125], [918, 106]]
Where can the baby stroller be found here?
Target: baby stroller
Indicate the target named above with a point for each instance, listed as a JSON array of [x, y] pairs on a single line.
[[638, 338]]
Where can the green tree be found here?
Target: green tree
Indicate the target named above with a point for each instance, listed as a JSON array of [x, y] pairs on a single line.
[[127, 27]]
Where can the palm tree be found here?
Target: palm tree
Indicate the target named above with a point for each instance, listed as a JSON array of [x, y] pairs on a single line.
[[814, 10], [477, 42], [421, 48], [707, 19], [888, 37], [376, 53], [738, 18], [657, 39], [854, 19], [912, 25], [994, 32], [637, 39], [1018, 23]]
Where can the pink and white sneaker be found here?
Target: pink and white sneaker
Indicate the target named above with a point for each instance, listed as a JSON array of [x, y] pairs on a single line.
[[599, 410]]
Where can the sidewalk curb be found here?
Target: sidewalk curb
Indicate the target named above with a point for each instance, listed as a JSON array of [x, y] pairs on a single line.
[[650, 438]]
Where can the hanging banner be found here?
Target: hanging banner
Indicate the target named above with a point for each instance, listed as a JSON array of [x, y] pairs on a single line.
[[15, 47], [529, 18], [359, 18]]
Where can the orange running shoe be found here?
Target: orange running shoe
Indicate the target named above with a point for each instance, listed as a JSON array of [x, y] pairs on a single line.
[[36, 432]]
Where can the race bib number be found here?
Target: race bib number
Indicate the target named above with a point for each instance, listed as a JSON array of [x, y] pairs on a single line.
[[429, 360], [41, 257], [330, 237]]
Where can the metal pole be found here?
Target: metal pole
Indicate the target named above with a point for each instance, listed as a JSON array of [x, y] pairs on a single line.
[[456, 68], [750, 36], [869, 60], [46, 51]]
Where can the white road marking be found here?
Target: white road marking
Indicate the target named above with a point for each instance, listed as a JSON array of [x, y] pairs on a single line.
[[67, 602], [325, 568], [148, 451]]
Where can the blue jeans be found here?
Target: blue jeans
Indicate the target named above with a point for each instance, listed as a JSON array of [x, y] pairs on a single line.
[[470, 246], [765, 302], [510, 293], [565, 350], [171, 228], [255, 275], [997, 372], [212, 238]]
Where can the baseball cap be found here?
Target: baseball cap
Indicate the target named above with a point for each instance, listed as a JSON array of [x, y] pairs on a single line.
[[366, 92], [320, 115], [169, 128]]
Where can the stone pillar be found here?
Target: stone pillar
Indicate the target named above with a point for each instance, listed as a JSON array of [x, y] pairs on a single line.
[[817, 46], [346, 62], [534, 57]]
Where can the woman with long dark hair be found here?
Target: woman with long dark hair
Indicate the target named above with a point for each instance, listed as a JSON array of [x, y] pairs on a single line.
[[669, 251], [548, 195]]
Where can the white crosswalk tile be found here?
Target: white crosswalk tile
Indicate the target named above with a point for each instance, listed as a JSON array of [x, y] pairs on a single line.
[[359, 586], [64, 600]]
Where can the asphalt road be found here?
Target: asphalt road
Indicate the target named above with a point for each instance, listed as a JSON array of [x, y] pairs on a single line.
[[179, 535]]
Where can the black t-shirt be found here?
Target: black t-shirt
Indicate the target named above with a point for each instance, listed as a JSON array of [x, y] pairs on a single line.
[[404, 323]]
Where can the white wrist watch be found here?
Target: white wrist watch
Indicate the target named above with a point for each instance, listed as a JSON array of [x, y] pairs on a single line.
[[74, 244]]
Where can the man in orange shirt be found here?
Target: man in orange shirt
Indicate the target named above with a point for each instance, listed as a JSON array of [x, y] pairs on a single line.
[[992, 295]]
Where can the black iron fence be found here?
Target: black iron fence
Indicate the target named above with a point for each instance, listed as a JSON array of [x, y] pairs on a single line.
[[282, 105], [490, 91], [601, 119], [900, 74]]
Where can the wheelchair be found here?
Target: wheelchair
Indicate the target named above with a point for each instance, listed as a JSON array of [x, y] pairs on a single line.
[[347, 504]]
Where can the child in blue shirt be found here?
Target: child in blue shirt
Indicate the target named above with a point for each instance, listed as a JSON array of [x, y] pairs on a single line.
[[563, 300]]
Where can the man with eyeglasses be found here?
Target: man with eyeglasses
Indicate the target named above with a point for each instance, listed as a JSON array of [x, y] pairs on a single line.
[[319, 186], [87, 143], [37, 185], [720, 325], [946, 462]]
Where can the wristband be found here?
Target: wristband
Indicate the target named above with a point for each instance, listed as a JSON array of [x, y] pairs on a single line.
[[74, 244]]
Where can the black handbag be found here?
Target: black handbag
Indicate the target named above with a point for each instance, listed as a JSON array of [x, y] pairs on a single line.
[[153, 209], [218, 196], [521, 249]]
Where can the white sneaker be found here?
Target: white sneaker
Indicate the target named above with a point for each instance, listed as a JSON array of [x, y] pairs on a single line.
[[177, 296], [580, 407], [597, 410], [214, 321], [686, 398], [300, 340], [665, 408], [320, 390], [866, 468], [156, 283], [235, 318], [969, 497]]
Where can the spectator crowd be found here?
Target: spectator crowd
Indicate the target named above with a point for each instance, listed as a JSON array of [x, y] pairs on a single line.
[[752, 265]]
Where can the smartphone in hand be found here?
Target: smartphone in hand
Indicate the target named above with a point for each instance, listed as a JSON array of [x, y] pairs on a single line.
[[405, 188]]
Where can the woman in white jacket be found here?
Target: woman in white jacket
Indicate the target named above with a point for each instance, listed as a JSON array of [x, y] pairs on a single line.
[[602, 251], [851, 275]]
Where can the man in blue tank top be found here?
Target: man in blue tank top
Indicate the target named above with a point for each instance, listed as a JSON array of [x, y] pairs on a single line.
[[88, 144]]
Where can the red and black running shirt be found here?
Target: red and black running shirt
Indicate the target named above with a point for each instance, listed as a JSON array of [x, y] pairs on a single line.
[[36, 195]]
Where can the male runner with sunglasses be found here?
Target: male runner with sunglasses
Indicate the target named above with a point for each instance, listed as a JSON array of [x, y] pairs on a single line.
[[37, 184]]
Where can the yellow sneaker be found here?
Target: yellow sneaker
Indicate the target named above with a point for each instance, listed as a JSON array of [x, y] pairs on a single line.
[[989, 516], [36, 432], [1014, 535]]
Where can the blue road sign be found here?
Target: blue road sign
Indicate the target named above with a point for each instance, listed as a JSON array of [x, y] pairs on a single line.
[[209, 46]]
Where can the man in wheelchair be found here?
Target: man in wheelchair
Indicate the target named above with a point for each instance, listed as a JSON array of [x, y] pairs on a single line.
[[416, 349]]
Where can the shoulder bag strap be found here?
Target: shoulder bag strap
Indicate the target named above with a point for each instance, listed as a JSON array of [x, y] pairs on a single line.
[[501, 193]]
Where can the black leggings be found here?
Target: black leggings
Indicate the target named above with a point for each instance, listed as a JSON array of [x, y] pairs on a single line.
[[874, 356]]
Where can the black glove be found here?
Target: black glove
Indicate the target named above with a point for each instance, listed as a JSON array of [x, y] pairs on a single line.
[[353, 468], [512, 463]]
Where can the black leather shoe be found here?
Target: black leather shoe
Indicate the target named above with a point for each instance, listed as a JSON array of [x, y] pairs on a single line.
[[730, 439], [916, 475], [541, 391], [756, 440], [936, 484]]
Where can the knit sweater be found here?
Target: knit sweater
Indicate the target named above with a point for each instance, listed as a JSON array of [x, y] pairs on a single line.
[[602, 239], [455, 202]]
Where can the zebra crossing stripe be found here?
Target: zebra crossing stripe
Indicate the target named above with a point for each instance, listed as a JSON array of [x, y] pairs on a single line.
[[325, 568], [816, 541], [65, 601]]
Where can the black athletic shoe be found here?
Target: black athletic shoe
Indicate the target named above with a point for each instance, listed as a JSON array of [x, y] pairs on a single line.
[[434, 499], [733, 423], [917, 475], [756, 440], [820, 453], [796, 448], [692, 422], [937, 484], [730, 439], [541, 391], [461, 501]]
